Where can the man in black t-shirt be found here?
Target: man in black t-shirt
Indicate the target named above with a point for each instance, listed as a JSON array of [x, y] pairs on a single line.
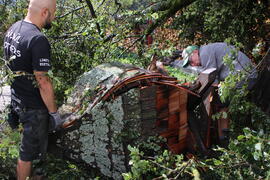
[[32, 51], [32, 96]]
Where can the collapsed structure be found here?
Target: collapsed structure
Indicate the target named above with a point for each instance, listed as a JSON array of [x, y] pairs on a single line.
[[115, 105]]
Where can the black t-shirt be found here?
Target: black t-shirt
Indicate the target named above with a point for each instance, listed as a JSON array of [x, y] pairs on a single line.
[[31, 50]]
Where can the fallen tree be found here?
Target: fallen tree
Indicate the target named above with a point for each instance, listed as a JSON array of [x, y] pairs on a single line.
[[115, 105]]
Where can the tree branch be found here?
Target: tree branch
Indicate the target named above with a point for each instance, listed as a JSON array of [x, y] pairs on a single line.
[[119, 6], [92, 11], [174, 6], [58, 17], [101, 3], [133, 43]]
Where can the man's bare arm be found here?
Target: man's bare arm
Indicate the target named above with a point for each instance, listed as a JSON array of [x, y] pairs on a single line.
[[46, 90]]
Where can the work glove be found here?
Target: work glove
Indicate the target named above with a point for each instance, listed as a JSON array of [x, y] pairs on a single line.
[[55, 122]]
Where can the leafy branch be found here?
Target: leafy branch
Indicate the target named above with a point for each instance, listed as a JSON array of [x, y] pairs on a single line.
[[93, 13]]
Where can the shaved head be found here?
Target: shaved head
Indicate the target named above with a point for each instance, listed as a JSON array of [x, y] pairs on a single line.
[[37, 5], [41, 12]]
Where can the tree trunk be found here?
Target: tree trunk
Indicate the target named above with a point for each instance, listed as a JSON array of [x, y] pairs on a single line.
[[99, 140], [118, 105]]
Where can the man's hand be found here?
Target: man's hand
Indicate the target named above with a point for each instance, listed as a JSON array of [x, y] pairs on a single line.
[[55, 121]]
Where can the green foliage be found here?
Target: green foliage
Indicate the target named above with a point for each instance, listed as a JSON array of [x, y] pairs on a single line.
[[162, 166], [9, 148], [130, 58], [55, 169], [180, 75], [248, 157], [216, 20], [234, 90], [9, 144], [152, 145], [77, 47]]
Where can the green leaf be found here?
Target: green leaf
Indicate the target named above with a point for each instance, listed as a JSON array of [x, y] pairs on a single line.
[[224, 115], [84, 33], [258, 146], [217, 162], [196, 174], [127, 176], [155, 15], [241, 137], [256, 155]]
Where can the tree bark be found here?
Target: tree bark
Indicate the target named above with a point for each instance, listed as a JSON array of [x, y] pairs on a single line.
[[99, 139], [169, 7]]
